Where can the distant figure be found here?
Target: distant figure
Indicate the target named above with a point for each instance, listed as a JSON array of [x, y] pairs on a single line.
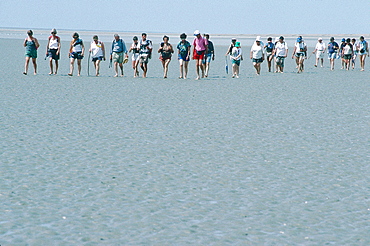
[[53, 51], [236, 55], [135, 48], [332, 52], [97, 50], [320, 51], [76, 51], [355, 52], [166, 51], [183, 48], [232, 45], [280, 53], [257, 55], [269, 48], [210, 55], [145, 53], [347, 53], [299, 52], [200, 46], [342, 44], [118, 50], [363, 50], [31, 45]]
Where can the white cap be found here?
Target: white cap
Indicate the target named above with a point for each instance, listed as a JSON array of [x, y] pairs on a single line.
[[258, 38], [320, 39], [196, 32]]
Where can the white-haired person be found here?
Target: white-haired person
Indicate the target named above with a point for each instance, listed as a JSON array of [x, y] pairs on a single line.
[[257, 55], [320, 51]]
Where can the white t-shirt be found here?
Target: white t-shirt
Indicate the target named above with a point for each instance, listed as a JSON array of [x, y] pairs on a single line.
[[281, 49], [235, 53], [257, 51], [320, 46], [299, 46], [96, 49]]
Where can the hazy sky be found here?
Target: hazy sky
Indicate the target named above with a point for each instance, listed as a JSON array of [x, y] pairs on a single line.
[[212, 16]]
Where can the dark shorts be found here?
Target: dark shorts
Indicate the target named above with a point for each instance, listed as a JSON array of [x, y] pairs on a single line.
[[94, 59], [52, 53], [183, 57], [76, 55], [259, 60], [347, 57]]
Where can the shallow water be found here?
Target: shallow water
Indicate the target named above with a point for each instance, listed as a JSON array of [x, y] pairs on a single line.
[[279, 159]]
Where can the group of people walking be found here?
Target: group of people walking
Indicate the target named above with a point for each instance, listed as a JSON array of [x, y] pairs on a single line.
[[202, 53]]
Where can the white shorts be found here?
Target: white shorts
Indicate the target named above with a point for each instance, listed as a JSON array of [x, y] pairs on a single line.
[[320, 54], [135, 56]]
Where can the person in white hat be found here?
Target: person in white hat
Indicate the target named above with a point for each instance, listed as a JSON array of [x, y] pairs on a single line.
[[320, 51], [53, 50], [257, 54], [200, 45]]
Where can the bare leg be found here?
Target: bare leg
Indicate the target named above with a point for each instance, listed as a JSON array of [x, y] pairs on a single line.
[[51, 65], [167, 62], [79, 66], [121, 67], [34, 66], [97, 67], [26, 65], [56, 66], [181, 68], [116, 69], [186, 69], [198, 63], [71, 67]]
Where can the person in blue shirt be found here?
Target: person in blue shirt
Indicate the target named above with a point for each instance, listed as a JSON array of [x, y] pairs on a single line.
[[210, 55], [363, 50], [332, 52], [116, 54], [183, 48], [269, 48]]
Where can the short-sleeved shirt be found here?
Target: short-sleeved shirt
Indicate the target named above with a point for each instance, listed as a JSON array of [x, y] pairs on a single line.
[[300, 47], [331, 48], [183, 47], [257, 51], [211, 49], [200, 43], [270, 46], [320, 46], [145, 46], [281, 49], [235, 53], [118, 46]]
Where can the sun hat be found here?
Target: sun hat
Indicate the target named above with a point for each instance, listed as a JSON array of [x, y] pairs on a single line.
[[53, 31], [237, 44], [258, 39], [196, 32], [319, 39]]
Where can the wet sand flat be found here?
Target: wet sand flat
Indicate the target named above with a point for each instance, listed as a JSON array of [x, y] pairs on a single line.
[[276, 159]]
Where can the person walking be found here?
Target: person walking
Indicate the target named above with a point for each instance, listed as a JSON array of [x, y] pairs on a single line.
[[118, 50], [210, 55], [97, 51], [236, 55], [363, 50], [135, 48], [320, 51], [257, 55], [231, 46], [200, 46], [53, 51], [166, 51], [347, 53], [269, 48], [280, 52], [332, 52], [76, 52], [32, 44], [145, 53], [340, 53], [355, 52], [183, 48], [299, 52]]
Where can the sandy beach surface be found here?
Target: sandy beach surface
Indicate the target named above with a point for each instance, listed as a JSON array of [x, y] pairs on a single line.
[[276, 159]]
